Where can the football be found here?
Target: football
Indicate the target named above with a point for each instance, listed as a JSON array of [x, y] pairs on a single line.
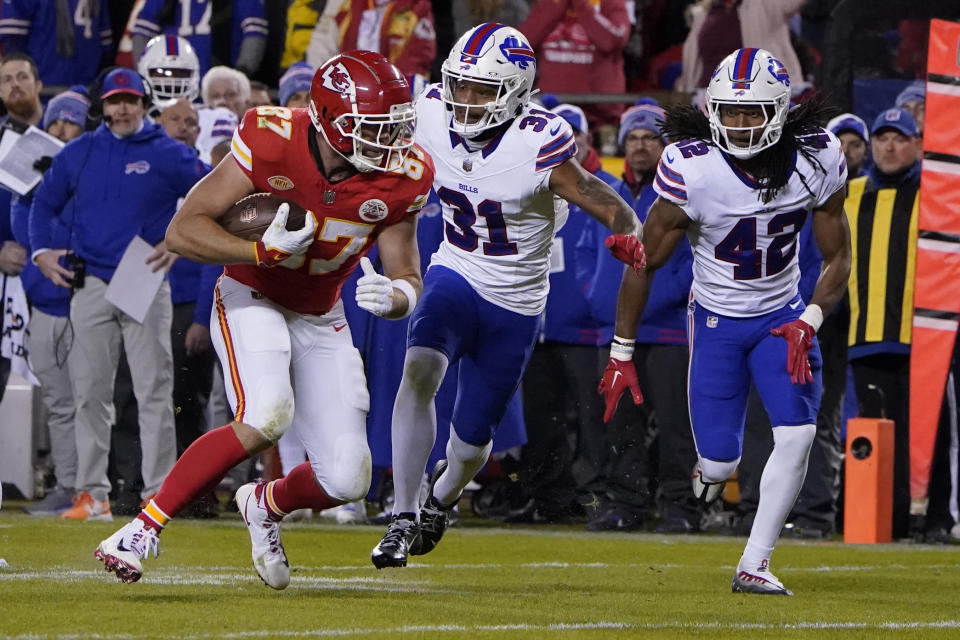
[[250, 217]]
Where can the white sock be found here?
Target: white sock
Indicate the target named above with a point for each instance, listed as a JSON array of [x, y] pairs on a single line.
[[779, 487], [463, 462], [414, 427]]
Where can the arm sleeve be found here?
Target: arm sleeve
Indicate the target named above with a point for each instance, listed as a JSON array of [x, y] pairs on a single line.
[[49, 199], [557, 146], [251, 54], [15, 23], [241, 153], [191, 169], [418, 52], [20, 219], [324, 39], [106, 31], [543, 18], [609, 29], [147, 23], [835, 164]]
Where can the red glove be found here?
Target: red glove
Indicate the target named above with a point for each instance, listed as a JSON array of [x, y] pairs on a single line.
[[799, 337], [627, 248], [619, 375]]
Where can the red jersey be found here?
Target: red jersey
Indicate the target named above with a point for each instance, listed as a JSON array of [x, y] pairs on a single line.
[[272, 147]]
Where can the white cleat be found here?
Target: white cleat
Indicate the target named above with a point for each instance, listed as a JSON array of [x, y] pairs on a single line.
[[122, 552], [758, 580], [349, 513], [269, 558]]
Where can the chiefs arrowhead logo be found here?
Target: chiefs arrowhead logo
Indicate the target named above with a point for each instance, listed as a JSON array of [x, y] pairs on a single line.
[[337, 78]]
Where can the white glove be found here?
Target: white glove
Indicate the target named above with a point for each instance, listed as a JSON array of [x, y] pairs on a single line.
[[280, 244], [374, 291]]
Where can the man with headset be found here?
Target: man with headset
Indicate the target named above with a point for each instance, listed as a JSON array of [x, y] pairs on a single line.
[[119, 181]]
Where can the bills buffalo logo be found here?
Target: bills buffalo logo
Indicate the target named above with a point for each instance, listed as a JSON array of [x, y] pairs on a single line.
[[517, 52], [337, 78], [280, 183], [373, 210], [139, 167], [778, 71], [892, 115], [249, 213]]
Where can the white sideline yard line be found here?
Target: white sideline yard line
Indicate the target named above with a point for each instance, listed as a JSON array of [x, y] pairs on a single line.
[[199, 577], [383, 581], [506, 628]]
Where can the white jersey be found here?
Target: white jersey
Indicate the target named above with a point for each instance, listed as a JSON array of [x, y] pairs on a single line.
[[216, 125], [745, 250], [498, 211]]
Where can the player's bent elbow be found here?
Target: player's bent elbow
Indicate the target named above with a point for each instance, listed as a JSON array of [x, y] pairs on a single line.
[[174, 238]]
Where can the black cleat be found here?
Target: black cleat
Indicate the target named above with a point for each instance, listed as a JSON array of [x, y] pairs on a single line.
[[402, 536], [434, 516]]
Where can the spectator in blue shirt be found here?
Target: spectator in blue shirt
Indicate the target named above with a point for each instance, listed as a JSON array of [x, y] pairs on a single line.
[[49, 335], [106, 187]]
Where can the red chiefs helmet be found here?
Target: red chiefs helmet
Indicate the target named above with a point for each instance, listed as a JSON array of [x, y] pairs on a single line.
[[361, 104]]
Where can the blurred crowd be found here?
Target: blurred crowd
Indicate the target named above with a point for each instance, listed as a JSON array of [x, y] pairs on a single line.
[[124, 397]]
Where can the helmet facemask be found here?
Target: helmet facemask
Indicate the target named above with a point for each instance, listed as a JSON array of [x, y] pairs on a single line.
[[749, 77], [508, 102], [171, 68], [762, 136], [170, 84], [497, 57], [380, 142]]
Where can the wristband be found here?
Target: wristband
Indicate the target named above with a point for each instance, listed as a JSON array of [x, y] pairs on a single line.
[[407, 289], [621, 348], [813, 316]]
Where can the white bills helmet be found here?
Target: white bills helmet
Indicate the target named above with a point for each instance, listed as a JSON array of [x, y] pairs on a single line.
[[491, 54], [171, 67], [749, 76]]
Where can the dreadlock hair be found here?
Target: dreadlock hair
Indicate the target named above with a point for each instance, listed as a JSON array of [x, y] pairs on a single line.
[[775, 164]]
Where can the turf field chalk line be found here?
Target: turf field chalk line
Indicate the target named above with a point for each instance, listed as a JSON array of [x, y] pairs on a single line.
[[453, 628]]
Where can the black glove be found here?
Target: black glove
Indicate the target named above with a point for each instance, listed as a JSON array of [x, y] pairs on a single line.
[[43, 163]]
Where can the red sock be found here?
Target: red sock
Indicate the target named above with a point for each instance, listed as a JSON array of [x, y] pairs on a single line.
[[298, 490], [202, 466]]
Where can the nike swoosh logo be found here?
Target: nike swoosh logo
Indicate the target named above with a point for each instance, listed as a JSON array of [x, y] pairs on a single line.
[[616, 374], [669, 159], [555, 130], [795, 304], [339, 327]]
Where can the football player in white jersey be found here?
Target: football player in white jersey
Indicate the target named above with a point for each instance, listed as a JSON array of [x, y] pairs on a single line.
[[171, 68], [739, 184], [500, 162]]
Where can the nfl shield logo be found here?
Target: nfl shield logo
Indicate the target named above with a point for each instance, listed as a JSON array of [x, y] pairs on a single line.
[[467, 164], [712, 321], [249, 213]]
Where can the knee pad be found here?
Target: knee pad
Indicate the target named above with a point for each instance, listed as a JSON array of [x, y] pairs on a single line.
[[423, 371], [714, 471], [466, 452], [270, 407], [348, 478], [793, 444], [709, 477], [801, 436]]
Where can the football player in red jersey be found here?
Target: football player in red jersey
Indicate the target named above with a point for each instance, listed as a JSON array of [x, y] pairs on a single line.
[[281, 334]]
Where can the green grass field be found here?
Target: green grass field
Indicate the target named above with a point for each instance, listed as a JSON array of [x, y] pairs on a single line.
[[482, 582]]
